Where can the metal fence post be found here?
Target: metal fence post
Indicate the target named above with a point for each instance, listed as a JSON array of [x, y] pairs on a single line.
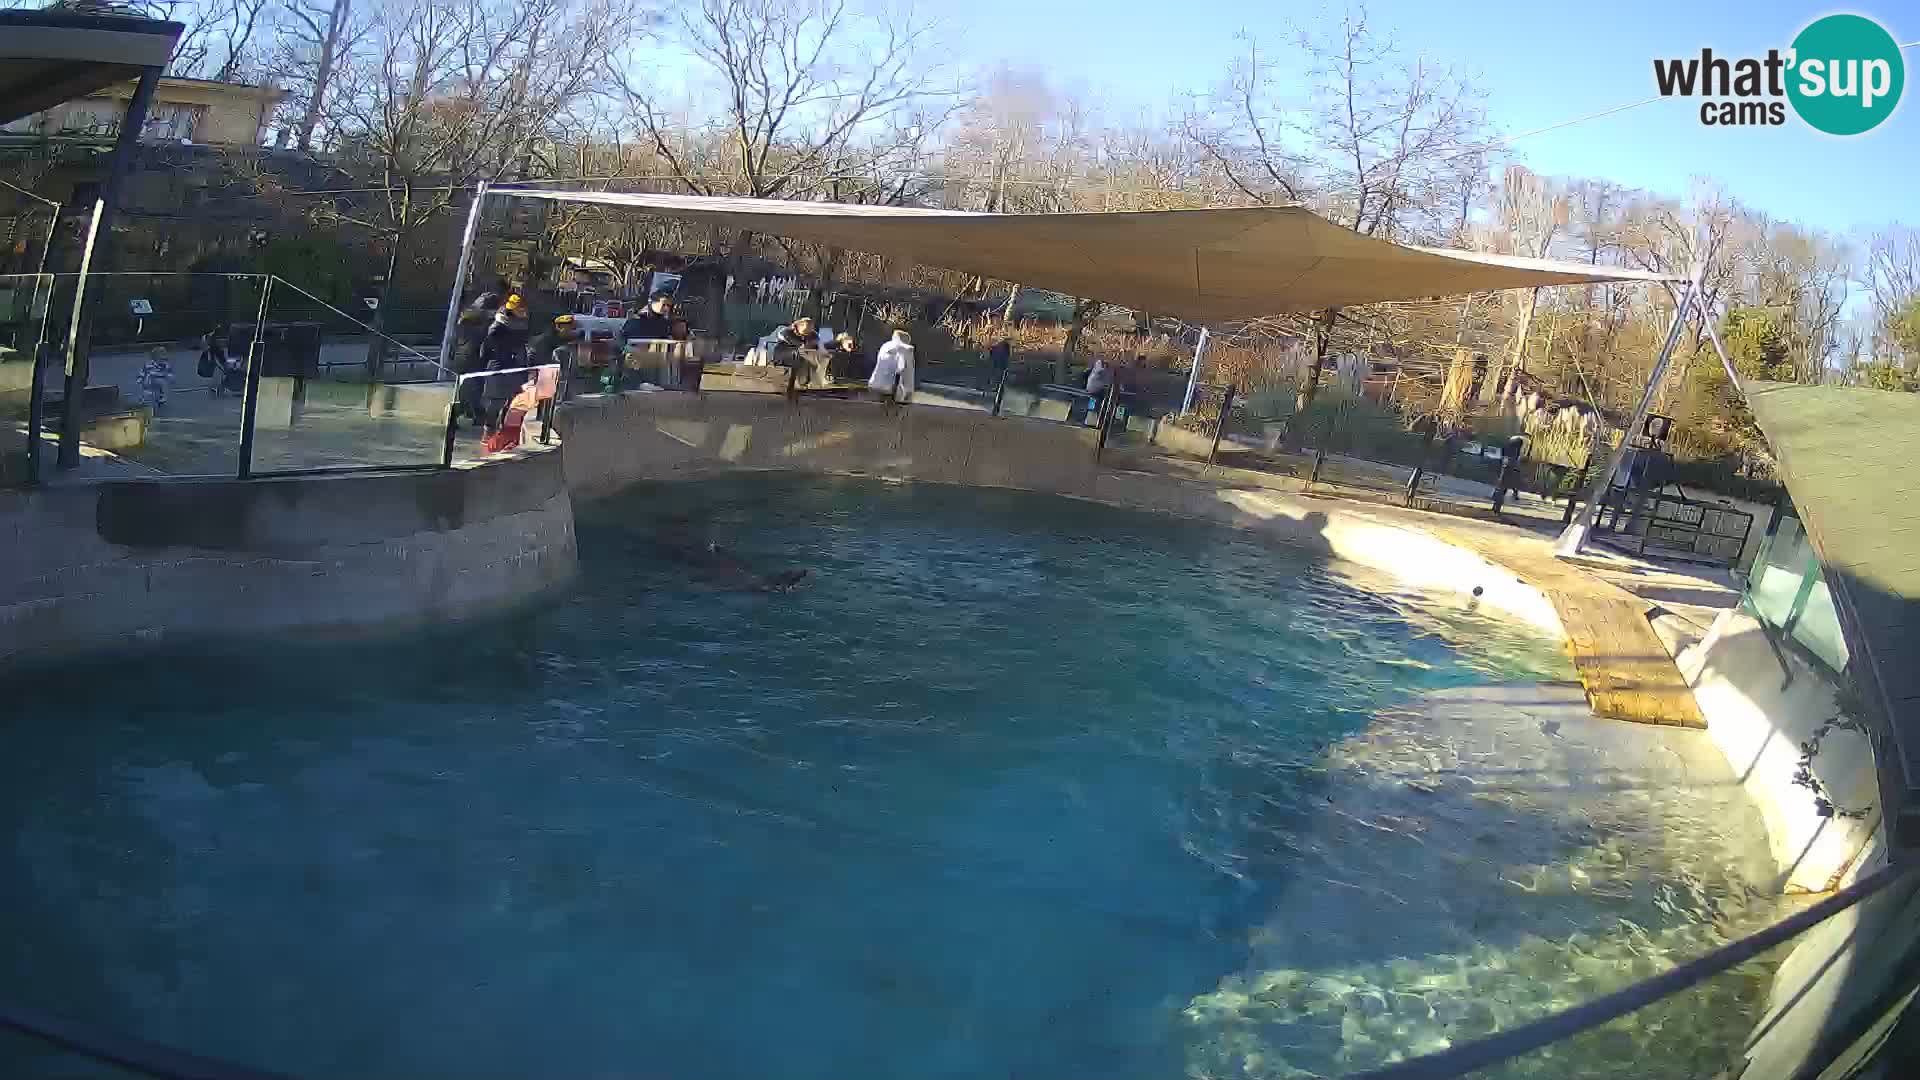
[[561, 381], [1219, 429], [256, 359], [1108, 406], [999, 393], [453, 426]]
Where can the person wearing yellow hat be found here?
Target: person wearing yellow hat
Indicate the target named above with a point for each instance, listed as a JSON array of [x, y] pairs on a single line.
[[504, 347], [556, 345]]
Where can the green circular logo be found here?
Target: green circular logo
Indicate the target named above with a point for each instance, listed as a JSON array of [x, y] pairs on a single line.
[[1846, 75]]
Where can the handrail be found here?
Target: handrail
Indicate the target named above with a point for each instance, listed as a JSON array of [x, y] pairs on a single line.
[[127, 1051], [166, 1063], [1494, 1049], [403, 346], [503, 371]]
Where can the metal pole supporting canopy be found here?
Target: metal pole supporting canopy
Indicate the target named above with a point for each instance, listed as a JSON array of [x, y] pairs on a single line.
[[1575, 536], [460, 279]]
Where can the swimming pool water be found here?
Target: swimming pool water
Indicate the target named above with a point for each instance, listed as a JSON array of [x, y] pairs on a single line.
[[1009, 786]]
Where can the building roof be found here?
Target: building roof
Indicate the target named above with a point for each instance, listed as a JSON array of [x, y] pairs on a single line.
[[173, 85], [1216, 265], [47, 57], [1850, 457]]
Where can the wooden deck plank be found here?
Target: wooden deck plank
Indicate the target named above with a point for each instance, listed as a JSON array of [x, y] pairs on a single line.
[[1626, 670], [1622, 664]]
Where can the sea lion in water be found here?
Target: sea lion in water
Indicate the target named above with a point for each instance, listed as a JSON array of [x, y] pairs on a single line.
[[719, 565]]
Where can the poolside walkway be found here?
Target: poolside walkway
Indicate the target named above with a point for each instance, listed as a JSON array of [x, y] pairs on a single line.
[[1624, 667]]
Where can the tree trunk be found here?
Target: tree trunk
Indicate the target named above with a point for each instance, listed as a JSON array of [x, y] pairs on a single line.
[[323, 74], [824, 282], [1504, 380], [1310, 388], [1013, 297], [1082, 311]]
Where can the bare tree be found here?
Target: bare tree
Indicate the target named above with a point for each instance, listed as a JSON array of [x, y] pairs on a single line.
[[1246, 130], [315, 34], [1382, 145], [442, 95], [1892, 273]]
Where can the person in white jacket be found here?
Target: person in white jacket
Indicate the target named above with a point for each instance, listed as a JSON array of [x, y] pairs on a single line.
[[893, 369]]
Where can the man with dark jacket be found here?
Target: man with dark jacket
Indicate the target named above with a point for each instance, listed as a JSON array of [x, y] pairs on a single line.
[[505, 346], [476, 319], [651, 323]]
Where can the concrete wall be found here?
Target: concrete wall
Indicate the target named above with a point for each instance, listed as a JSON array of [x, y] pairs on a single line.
[[612, 441], [1761, 702], [99, 566]]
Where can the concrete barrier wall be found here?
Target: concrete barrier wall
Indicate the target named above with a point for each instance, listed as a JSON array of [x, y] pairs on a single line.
[[1761, 702], [100, 566], [612, 441]]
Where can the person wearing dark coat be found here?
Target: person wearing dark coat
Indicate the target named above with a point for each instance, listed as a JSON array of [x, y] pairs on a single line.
[[505, 346], [651, 323], [1000, 356], [476, 319]]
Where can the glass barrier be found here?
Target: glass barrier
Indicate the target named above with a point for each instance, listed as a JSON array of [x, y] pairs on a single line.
[[335, 393], [146, 408], [1788, 592], [25, 326]]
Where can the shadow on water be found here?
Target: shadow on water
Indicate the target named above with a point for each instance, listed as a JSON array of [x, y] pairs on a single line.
[[1012, 785]]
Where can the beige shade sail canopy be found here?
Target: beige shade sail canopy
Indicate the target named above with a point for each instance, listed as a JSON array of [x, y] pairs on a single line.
[[1200, 265]]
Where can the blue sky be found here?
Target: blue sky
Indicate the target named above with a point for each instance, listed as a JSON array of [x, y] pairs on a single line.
[[1540, 63]]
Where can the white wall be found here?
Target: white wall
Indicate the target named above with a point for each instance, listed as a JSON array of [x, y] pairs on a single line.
[[1760, 705]]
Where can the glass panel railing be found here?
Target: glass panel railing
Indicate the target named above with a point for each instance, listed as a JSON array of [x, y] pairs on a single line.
[[25, 327], [335, 392], [144, 408], [1779, 573], [1817, 625], [503, 410]]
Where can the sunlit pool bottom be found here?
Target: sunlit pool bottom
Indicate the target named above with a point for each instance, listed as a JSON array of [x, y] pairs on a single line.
[[1008, 787]]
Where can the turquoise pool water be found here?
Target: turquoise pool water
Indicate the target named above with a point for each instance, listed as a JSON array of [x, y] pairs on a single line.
[[1008, 787]]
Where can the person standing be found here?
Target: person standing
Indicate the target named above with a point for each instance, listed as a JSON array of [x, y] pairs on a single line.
[[476, 321], [1099, 382], [651, 323], [999, 357], [843, 362], [893, 370], [556, 346], [505, 347], [156, 374]]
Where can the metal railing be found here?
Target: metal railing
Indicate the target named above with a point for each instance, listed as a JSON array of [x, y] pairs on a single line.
[[167, 1063], [546, 393], [219, 375]]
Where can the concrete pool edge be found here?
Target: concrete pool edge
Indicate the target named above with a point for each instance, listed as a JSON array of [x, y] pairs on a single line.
[[128, 564]]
